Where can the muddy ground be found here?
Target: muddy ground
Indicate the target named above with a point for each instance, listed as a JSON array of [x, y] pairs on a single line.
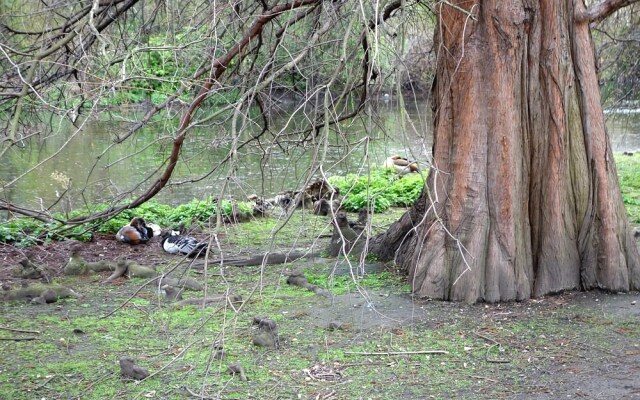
[[364, 343]]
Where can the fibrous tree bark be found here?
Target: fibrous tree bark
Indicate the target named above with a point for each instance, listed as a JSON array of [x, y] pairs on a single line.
[[523, 197]]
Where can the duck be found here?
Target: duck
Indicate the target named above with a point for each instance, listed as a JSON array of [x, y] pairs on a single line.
[[137, 232], [401, 164], [153, 230], [175, 243]]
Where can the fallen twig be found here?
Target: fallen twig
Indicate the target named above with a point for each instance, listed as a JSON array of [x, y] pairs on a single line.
[[43, 384], [483, 377], [201, 397], [172, 360], [487, 338], [20, 338], [200, 301], [498, 360], [394, 353], [18, 330]]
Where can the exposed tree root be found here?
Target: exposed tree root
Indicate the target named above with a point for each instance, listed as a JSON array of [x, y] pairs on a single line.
[[78, 266], [260, 259], [42, 293], [120, 270], [33, 271], [298, 279]]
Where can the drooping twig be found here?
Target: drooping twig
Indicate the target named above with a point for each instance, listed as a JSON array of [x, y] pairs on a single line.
[[43, 384], [216, 69]]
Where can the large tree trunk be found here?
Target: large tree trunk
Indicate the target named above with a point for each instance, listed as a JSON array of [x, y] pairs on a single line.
[[523, 197]]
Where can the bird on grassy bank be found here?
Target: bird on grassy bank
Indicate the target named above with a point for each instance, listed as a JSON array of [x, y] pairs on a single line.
[[174, 243], [401, 164], [137, 232]]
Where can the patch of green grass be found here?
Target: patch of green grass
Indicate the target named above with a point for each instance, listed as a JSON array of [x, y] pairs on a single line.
[[298, 231], [341, 284], [493, 351], [178, 344], [628, 168]]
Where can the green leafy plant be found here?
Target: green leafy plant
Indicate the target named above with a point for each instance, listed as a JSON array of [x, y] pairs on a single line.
[[21, 231], [379, 190]]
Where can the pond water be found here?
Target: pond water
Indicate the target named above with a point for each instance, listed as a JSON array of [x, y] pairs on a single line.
[[94, 169]]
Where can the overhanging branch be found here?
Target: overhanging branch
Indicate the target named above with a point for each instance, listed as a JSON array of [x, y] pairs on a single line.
[[218, 67]]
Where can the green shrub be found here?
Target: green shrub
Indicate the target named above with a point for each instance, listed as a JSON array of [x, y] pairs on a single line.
[[381, 189], [21, 231], [27, 231]]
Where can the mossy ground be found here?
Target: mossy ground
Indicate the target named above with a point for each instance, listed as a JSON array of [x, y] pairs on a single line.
[[550, 346], [570, 345]]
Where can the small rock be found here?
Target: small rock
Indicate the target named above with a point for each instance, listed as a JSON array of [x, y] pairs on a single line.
[[38, 300], [129, 369], [334, 325], [49, 296], [235, 298], [268, 325], [172, 293], [265, 339], [237, 369], [633, 303]]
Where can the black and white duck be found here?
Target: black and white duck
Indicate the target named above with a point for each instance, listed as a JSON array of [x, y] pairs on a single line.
[[175, 243]]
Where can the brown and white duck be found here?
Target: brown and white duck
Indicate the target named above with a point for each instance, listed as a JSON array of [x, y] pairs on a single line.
[[401, 164], [137, 232]]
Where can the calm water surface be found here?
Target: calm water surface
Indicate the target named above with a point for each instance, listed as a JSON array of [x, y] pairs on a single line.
[[95, 170]]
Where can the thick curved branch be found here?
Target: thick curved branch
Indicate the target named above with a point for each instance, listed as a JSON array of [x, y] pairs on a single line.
[[40, 216], [600, 11]]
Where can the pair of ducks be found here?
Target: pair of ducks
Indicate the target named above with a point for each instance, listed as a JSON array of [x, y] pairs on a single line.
[[139, 232]]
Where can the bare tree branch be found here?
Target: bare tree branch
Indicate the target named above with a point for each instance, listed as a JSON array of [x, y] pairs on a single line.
[[218, 67], [598, 12]]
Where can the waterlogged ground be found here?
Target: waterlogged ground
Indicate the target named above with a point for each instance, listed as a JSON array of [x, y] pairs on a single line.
[[371, 340]]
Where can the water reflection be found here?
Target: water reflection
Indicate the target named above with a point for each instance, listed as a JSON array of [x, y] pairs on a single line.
[[624, 130], [93, 169], [96, 170]]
